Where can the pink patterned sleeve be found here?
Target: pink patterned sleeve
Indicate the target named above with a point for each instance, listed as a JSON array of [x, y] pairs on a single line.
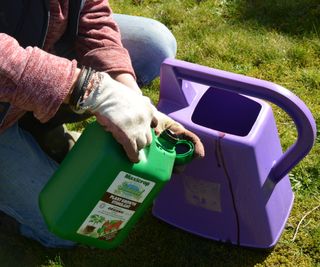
[[32, 79], [99, 42]]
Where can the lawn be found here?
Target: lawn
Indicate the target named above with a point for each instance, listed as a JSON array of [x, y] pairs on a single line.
[[275, 40]]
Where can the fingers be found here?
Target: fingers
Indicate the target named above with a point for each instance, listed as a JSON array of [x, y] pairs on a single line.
[[198, 146], [157, 131], [131, 145], [128, 145], [143, 140], [165, 122], [154, 122], [131, 150], [149, 138], [183, 133]]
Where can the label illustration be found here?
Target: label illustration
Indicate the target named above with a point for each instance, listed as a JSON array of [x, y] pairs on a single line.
[[116, 206]]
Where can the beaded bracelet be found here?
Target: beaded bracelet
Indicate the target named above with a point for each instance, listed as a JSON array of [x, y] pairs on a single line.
[[79, 90]]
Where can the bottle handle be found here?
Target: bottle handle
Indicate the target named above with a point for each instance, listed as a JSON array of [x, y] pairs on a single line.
[[174, 71]]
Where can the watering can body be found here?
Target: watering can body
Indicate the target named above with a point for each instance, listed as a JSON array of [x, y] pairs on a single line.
[[240, 192]]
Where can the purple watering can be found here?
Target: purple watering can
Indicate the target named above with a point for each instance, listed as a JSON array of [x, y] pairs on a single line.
[[240, 192]]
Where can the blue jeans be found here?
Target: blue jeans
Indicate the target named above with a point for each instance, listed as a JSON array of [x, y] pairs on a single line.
[[149, 42], [25, 168]]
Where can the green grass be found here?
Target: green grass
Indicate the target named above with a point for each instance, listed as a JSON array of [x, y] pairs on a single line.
[[272, 40]]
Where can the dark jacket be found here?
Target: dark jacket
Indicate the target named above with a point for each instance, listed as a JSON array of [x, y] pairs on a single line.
[[27, 20]]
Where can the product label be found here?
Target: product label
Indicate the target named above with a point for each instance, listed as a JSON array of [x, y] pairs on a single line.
[[202, 193], [116, 207]]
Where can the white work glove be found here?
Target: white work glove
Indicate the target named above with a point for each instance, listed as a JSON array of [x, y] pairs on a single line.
[[127, 114], [166, 123]]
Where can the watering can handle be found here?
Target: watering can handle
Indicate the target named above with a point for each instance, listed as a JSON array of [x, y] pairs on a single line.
[[175, 71]]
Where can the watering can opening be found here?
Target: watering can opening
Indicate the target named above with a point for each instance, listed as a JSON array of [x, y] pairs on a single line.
[[226, 112]]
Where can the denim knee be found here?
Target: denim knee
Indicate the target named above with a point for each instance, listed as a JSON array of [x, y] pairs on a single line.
[[24, 170], [148, 42]]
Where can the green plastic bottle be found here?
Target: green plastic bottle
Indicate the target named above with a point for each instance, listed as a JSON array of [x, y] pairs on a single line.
[[97, 194]]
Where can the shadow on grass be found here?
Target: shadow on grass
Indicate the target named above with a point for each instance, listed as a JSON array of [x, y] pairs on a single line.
[[293, 17], [151, 243]]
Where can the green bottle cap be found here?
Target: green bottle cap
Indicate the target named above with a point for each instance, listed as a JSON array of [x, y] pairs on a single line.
[[184, 149], [168, 140], [184, 152]]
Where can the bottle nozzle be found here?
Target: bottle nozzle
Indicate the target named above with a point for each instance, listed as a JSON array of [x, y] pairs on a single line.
[[184, 149]]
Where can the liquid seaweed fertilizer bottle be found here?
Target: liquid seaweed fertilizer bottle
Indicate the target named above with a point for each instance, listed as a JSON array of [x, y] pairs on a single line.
[[97, 195]]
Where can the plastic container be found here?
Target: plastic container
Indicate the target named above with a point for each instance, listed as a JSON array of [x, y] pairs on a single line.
[[97, 194], [240, 191]]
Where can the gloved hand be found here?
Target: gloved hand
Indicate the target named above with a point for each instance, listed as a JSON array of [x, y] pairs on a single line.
[[166, 123], [125, 113]]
